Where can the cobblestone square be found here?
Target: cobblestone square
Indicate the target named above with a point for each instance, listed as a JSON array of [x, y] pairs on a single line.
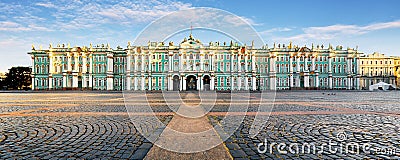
[[90, 125]]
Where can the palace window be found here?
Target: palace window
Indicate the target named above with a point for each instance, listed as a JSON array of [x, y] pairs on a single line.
[[334, 68]]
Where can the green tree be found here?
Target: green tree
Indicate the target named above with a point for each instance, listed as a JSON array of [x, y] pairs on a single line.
[[19, 78]]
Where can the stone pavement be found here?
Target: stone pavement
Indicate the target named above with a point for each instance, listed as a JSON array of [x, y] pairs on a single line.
[[90, 125], [189, 133]]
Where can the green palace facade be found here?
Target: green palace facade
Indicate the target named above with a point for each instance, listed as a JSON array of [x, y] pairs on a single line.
[[191, 65]]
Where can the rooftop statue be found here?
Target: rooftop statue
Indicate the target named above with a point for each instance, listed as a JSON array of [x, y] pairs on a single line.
[[33, 47]]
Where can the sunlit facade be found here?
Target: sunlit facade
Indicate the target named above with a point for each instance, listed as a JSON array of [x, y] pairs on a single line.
[[377, 68], [191, 65]]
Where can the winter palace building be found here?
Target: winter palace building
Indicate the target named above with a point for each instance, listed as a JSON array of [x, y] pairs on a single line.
[[191, 65]]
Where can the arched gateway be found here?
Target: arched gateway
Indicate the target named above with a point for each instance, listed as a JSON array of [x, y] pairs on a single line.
[[191, 82]]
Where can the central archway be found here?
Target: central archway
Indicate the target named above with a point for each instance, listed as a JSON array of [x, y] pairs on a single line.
[[176, 83], [191, 83], [206, 82]]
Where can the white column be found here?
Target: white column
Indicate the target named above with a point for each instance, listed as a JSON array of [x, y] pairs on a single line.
[[51, 63], [181, 83], [194, 62], [33, 81], [298, 64], [170, 83], [349, 66], [246, 84], [245, 62], [110, 65], [84, 61], [142, 63], [150, 82], [253, 80], [201, 83], [198, 83], [84, 70], [180, 61], [330, 72], [135, 69], [253, 61], [212, 82], [75, 71], [239, 64], [239, 82], [136, 83], [90, 71], [306, 79], [75, 80], [305, 63], [232, 69], [50, 81], [64, 81], [272, 66], [33, 72], [317, 80], [313, 63], [211, 65], [128, 70], [76, 65], [143, 83], [150, 62], [231, 81], [184, 83], [291, 71], [69, 63], [170, 61]]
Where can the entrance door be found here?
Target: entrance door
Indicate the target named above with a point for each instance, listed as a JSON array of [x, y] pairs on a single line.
[[80, 82], [206, 82], [191, 83], [301, 81], [176, 83]]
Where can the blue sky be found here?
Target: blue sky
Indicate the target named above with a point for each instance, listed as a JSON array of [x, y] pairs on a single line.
[[372, 25]]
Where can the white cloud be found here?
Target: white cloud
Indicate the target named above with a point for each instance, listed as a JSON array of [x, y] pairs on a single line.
[[12, 26], [338, 30], [47, 4]]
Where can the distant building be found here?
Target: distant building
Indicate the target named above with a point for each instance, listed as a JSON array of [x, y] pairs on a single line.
[[397, 70], [377, 68], [2, 80], [191, 65]]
